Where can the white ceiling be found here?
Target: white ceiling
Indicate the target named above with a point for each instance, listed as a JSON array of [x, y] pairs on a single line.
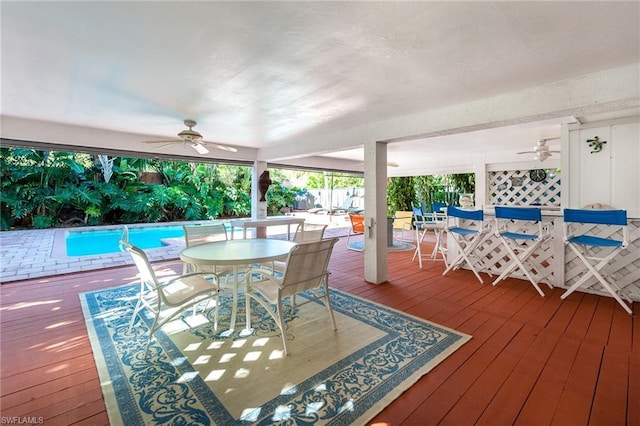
[[283, 80]]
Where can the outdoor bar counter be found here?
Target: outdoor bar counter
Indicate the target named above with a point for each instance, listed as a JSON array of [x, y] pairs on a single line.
[[558, 265]]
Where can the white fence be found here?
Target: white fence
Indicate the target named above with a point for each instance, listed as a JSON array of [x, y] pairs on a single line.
[[328, 198]]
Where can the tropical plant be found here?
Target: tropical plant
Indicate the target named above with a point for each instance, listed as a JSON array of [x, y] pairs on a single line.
[[30, 181], [400, 194]]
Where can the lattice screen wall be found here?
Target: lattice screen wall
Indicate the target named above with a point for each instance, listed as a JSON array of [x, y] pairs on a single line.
[[504, 189]]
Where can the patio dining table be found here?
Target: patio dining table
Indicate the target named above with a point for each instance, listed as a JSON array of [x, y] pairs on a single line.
[[236, 253]]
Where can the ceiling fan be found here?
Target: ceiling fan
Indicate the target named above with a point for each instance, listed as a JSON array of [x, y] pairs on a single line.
[[541, 151], [194, 140]]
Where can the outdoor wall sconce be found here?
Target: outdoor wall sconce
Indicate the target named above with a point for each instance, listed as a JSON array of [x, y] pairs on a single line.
[[595, 144]]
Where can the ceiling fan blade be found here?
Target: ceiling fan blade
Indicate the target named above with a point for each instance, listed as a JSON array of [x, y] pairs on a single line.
[[165, 141], [525, 152], [165, 145], [199, 148], [222, 147]]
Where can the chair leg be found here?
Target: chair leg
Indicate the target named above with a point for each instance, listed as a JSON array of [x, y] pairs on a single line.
[[518, 262], [134, 315], [418, 250], [327, 298], [281, 325], [595, 272], [463, 257]]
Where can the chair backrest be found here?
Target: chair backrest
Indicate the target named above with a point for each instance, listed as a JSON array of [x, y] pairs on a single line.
[[453, 211], [418, 214], [357, 222], [307, 266], [147, 274], [309, 232], [475, 218], [201, 234], [602, 217], [525, 218], [438, 207], [402, 219], [439, 211], [346, 204], [124, 236], [533, 214]]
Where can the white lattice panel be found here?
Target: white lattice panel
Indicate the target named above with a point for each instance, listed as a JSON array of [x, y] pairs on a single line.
[[495, 257], [503, 192], [624, 270]]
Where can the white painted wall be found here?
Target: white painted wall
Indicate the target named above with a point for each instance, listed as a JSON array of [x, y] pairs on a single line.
[[611, 176]]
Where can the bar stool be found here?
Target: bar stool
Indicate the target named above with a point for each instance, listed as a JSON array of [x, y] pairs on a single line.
[[514, 227], [423, 223], [596, 251], [465, 238]]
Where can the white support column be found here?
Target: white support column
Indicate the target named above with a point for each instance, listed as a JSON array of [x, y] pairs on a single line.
[[375, 207]]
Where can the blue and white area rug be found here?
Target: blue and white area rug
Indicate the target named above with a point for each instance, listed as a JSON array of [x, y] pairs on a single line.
[[194, 375]]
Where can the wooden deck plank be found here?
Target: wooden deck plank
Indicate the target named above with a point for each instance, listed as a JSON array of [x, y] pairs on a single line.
[[541, 403], [532, 359], [505, 407], [574, 406], [633, 408], [610, 401], [472, 403]]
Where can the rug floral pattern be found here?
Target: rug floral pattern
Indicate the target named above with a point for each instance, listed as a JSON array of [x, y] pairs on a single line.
[[165, 389]]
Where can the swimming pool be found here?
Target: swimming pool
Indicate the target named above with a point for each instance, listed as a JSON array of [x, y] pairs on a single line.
[[83, 243], [91, 242]]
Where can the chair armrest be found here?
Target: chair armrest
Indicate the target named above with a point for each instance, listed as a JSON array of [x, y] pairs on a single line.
[[204, 275], [265, 272]]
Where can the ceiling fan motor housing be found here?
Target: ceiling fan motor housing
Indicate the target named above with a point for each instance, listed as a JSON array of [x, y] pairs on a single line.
[[190, 135]]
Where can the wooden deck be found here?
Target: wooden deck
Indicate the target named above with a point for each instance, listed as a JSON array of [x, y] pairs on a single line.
[[532, 360]]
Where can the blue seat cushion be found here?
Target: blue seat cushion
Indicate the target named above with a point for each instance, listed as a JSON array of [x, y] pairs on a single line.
[[589, 240], [463, 231], [518, 236]]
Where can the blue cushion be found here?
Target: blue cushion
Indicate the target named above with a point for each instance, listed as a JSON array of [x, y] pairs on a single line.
[[518, 236], [589, 240]]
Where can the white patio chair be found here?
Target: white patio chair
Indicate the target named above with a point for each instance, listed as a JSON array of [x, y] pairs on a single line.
[[306, 269], [515, 228], [202, 234], [304, 234], [423, 224], [596, 247], [166, 300], [309, 232], [467, 231]]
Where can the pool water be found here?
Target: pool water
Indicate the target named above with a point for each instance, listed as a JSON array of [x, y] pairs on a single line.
[[83, 243]]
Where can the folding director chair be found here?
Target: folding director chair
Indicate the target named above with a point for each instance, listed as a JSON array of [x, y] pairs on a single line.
[[514, 227], [466, 238], [593, 250], [422, 224]]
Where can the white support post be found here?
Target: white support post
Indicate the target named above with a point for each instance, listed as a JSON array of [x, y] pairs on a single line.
[[375, 207]]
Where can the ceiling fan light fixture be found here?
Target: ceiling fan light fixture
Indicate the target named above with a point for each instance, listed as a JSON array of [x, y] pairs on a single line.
[[541, 155]]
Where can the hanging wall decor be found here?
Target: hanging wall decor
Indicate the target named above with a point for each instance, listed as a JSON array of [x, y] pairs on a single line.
[[595, 144]]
